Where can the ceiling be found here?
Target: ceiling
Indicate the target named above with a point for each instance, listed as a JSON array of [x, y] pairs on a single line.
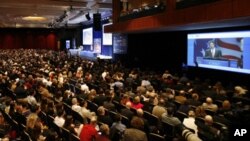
[[71, 13], [50, 13]]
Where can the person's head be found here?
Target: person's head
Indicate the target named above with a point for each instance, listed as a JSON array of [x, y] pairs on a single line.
[[139, 112], [60, 113], [101, 110], [137, 122], [74, 101], [35, 108], [208, 120], [93, 120], [239, 90], [68, 120], [51, 135], [93, 92], [195, 96], [84, 103], [161, 102], [128, 104], [226, 104], [104, 129], [191, 113], [211, 44], [209, 100], [136, 100], [170, 111], [118, 117], [1, 118], [125, 97], [200, 111], [31, 121]]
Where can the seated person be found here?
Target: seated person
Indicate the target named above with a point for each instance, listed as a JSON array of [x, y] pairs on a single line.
[[206, 131], [210, 105]]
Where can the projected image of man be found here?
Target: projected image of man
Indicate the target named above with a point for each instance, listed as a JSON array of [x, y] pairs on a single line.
[[212, 51]]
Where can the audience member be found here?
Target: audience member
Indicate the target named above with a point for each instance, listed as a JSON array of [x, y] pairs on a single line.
[[69, 125], [135, 133], [104, 133], [206, 131], [117, 128], [75, 105], [59, 119], [103, 117], [181, 98], [127, 112], [194, 100], [85, 112], [210, 105], [170, 118], [190, 122], [200, 112], [136, 104], [4, 126], [159, 109], [146, 128], [88, 131]]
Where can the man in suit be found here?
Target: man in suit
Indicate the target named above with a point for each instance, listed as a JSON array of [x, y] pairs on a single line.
[[212, 51], [127, 112], [136, 132]]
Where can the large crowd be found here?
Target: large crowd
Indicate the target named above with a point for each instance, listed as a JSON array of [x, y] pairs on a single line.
[[50, 95]]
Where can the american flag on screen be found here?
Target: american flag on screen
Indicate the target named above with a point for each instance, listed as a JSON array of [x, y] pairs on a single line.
[[200, 46], [231, 48]]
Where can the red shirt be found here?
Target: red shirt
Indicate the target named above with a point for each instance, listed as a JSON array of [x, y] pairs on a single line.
[[88, 132], [102, 138], [137, 105]]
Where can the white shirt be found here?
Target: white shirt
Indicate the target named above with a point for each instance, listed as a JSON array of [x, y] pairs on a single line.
[[213, 52], [59, 121], [76, 108], [145, 83], [31, 99], [104, 74], [190, 123], [86, 113], [85, 88]]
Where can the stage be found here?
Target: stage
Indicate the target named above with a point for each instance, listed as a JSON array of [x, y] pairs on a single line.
[[88, 54]]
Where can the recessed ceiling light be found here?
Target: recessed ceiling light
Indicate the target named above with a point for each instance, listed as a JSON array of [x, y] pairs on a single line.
[[34, 18]]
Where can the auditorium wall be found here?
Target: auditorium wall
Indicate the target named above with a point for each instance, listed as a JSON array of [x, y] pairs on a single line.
[[158, 50], [28, 38]]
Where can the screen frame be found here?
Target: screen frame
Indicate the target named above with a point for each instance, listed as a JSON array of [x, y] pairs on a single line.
[[107, 38], [193, 37], [87, 36]]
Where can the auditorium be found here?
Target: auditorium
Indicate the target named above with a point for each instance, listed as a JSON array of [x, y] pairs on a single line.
[[124, 70]]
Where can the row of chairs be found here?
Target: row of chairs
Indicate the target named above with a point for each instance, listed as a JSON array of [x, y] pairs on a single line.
[[18, 128], [63, 133], [76, 116]]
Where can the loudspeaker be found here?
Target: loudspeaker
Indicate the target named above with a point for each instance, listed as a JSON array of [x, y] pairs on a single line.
[[88, 17], [97, 22]]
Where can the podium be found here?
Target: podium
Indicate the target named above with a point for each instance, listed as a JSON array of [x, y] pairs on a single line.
[[217, 62], [74, 52]]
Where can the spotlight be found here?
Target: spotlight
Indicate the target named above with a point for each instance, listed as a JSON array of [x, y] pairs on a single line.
[[88, 17]]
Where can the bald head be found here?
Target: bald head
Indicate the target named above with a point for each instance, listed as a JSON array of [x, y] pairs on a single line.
[[139, 112], [128, 105], [209, 100], [226, 104], [208, 120]]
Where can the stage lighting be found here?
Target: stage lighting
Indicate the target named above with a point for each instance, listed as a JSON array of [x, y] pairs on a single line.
[[88, 17]]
